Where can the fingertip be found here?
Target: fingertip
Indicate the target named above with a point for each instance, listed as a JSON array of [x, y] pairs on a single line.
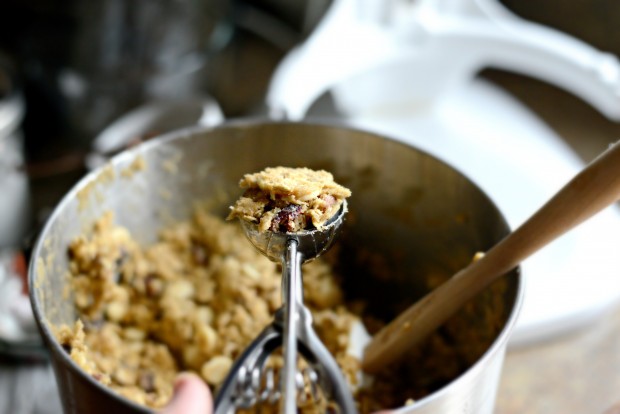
[[191, 396], [188, 379]]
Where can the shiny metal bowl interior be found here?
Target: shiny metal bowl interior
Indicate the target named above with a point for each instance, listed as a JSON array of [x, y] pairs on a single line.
[[403, 201]]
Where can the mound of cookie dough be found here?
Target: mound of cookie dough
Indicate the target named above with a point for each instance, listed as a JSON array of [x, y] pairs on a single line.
[[283, 199], [192, 301]]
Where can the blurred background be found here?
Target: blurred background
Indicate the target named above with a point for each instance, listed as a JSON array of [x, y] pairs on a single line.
[[80, 65], [69, 68]]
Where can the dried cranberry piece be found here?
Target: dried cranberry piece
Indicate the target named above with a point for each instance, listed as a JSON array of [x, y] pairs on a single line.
[[146, 380], [199, 254], [284, 220]]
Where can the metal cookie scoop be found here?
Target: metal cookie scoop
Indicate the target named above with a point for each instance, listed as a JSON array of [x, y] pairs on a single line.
[[248, 382]]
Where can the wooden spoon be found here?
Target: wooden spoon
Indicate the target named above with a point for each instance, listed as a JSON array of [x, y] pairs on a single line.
[[594, 188]]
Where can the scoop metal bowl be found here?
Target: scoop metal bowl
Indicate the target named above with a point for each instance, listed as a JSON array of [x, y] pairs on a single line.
[[310, 243]]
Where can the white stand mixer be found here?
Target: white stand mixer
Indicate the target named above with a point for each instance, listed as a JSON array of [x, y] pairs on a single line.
[[407, 69]]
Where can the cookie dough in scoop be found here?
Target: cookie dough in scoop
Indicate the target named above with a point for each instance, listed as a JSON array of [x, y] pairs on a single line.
[[283, 199]]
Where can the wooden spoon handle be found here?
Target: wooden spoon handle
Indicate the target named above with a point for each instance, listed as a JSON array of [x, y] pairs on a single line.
[[594, 188]]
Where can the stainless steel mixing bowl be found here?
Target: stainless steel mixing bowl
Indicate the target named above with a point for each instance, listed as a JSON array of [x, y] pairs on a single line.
[[408, 206]]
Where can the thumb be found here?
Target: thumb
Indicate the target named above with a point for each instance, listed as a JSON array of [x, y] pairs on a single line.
[[191, 396]]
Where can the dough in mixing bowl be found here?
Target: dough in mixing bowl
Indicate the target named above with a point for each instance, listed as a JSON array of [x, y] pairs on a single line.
[[191, 301]]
